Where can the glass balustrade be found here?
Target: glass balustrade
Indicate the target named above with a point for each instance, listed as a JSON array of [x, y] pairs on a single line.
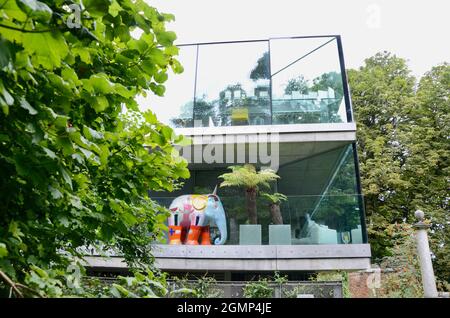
[[277, 81]]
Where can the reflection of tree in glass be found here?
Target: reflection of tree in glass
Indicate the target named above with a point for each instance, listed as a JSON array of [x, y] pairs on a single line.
[[231, 97], [320, 103], [298, 84], [231, 93], [329, 80], [184, 119], [262, 69], [203, 112], [338, 209]]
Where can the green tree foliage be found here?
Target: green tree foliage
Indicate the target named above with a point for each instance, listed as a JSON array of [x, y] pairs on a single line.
[[403, 150], [427, 167], [401, 277], [201, 287], [77, 158], [258, 289]]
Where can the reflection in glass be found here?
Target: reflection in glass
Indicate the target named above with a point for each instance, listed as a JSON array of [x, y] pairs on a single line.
[[306, 81], [244, 83], [232, 85], [330, 213]]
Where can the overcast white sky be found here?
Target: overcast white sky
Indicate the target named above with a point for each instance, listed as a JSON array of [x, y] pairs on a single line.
[[416, 30]]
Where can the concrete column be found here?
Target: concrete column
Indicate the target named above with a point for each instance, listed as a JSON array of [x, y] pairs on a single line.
[[423, 250]]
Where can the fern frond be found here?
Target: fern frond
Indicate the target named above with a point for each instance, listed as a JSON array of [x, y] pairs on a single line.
[[247, 176]]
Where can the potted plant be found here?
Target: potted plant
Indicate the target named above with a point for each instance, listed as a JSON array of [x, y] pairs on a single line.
[[274, 205], [279, 233]]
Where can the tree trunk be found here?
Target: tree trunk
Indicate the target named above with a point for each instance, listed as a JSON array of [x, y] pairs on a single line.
[[250, 200], [276, 214]]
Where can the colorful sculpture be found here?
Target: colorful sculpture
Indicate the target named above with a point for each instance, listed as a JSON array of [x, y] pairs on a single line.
[[191, 216]]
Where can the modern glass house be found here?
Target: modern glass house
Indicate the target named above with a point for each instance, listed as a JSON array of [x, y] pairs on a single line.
[[282, 103]]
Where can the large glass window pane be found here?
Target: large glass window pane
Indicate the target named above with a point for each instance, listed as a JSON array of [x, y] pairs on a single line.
[[306, 81], [322, 207], [232, 85], [175, 108]]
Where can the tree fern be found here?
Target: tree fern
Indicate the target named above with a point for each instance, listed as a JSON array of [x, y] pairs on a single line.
[[246, 176]]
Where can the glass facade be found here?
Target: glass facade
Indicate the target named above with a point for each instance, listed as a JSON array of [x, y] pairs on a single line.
[[323, 203], [277, 81], [271, 82]]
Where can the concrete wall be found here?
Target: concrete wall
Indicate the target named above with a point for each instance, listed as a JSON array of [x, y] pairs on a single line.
[[251, 258]]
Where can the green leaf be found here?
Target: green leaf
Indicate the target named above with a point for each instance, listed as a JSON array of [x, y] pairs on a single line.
[[66, 177], [61, 121], [7, 98], [49, 153], [158, 89], [100, 103], [3, 250], [65, 144], [97, 8], [90, 155], [167, 132], [114, 204], [60, 84], [46, 48], [122, 91], [64, 221], [99, 84], [138, 45], [56, 194], [25, 105], [166, 38], [171, 50], [42, 273], [161, 77], [76, 202], [6, 57], [70, 75], [183, 141], [122, 32], [114, 8], [15, 230], [10, 8], [83, 53], [177, 67], [148, 66], [158, 57], [4, 106], [36, 10], [142, 23], [92, 133], [129, 218]]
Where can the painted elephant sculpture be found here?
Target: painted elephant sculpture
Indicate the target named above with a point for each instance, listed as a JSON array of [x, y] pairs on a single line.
[[191, 216]]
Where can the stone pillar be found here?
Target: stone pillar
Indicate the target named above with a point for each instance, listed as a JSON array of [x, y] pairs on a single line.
[[423, 250]]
